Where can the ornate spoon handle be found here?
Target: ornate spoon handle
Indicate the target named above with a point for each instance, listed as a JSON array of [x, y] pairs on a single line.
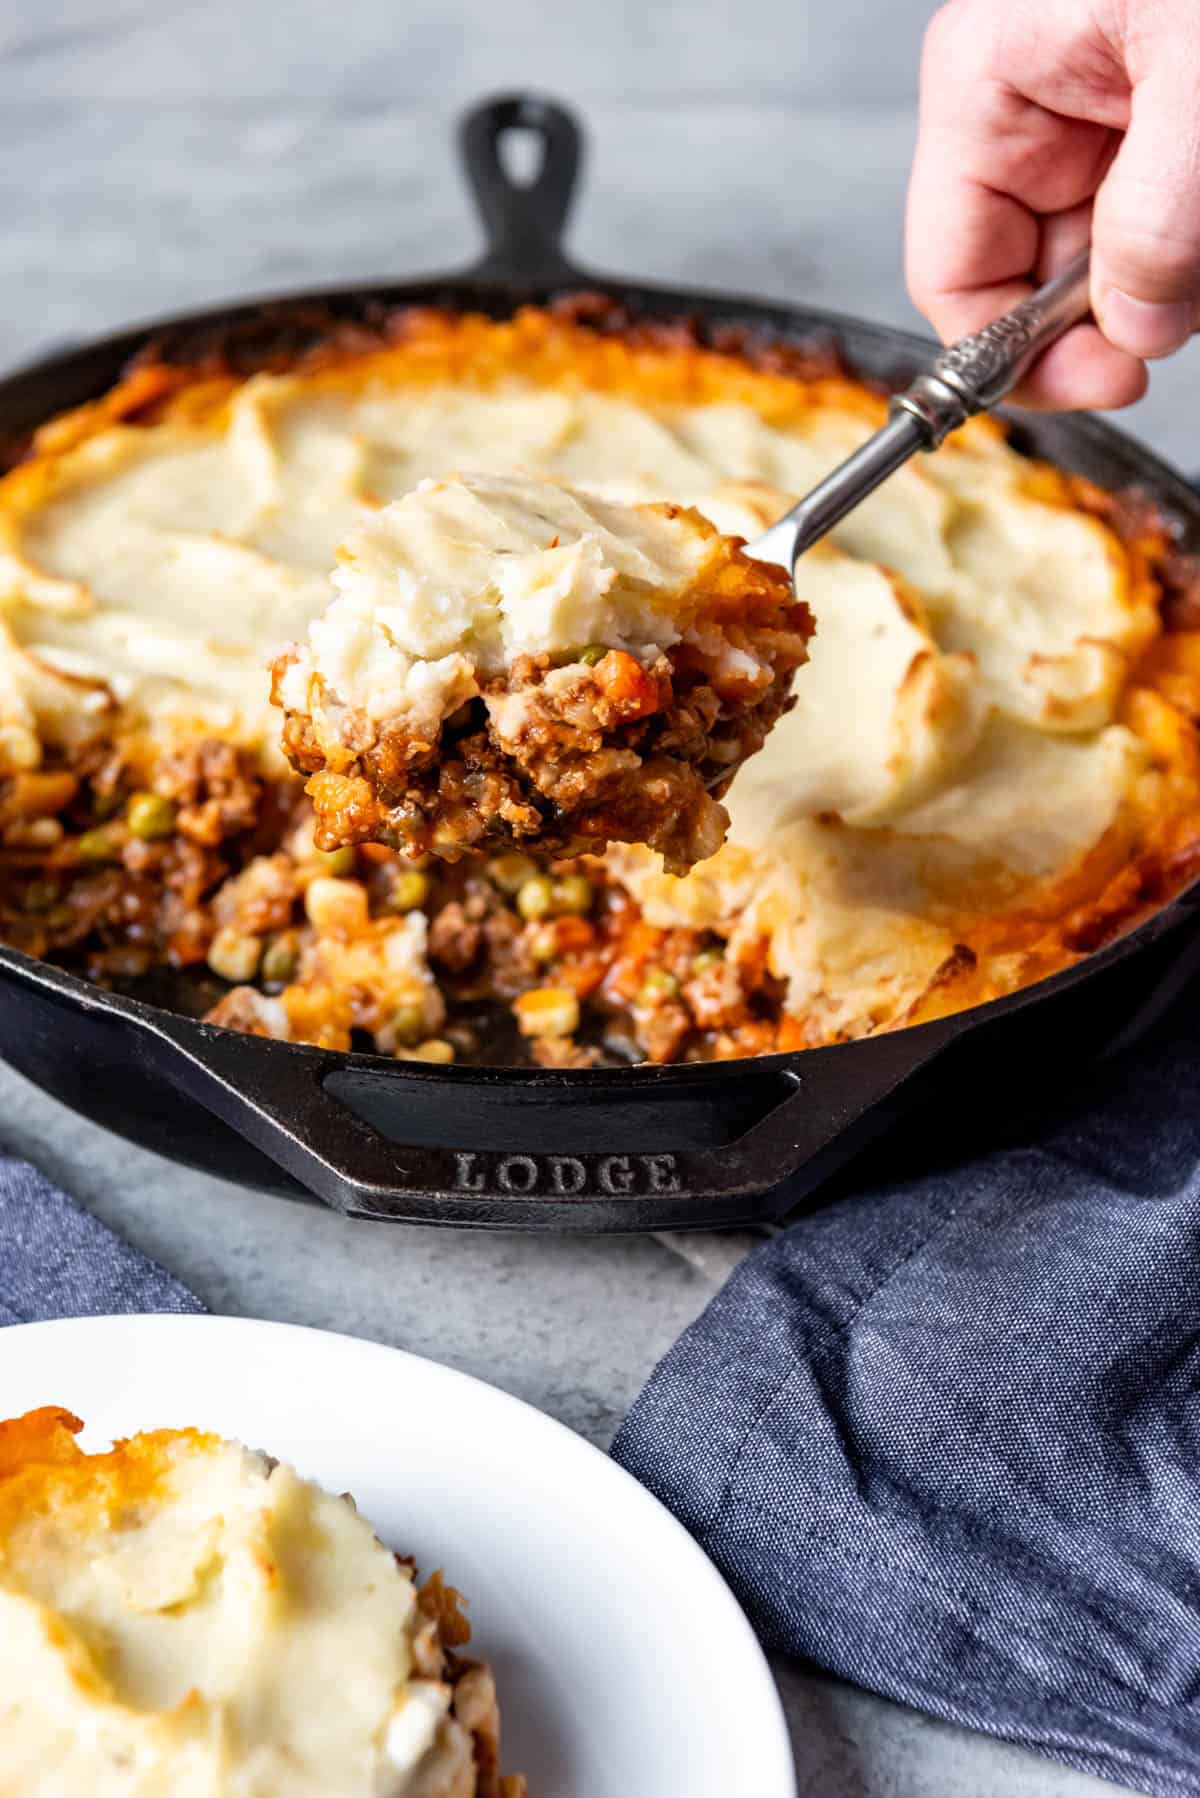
[[970, 376], [977, 372]]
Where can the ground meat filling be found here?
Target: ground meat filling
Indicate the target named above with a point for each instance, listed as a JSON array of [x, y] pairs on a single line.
[[97, 868], [569, 757], [214, 873], [437, 1655]]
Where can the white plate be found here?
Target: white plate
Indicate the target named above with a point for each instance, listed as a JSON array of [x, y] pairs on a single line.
[[625, 1667]]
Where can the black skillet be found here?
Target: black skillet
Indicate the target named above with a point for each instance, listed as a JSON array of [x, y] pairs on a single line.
[[626, 1149]]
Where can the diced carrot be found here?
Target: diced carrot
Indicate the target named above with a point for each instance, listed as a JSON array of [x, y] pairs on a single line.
[[752, 960], [572, 935], [626, 685], [642, 944], [642, 941], [582, 974]]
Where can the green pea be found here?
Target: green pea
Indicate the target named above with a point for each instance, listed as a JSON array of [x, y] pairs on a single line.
[[234, 956], [707, 958], [100, 845], [338, 862], [408, 1025], [535, 898], [150, 816], [279, 961], [105, 805], [510, 872], [409, 891], [573, 893], [657, 985]]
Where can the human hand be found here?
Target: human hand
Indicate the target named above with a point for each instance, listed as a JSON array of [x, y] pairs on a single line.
[[1044, 122]]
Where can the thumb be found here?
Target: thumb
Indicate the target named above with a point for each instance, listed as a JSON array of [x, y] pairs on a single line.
[[1146, 223]]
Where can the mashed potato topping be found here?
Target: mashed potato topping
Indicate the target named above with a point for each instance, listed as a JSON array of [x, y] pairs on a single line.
[[184, 1616], [460, 577], [983, 739], [170, 563]]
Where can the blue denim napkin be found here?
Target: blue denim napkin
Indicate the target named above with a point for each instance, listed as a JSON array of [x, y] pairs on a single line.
[[943, 1438], [57, 1261]]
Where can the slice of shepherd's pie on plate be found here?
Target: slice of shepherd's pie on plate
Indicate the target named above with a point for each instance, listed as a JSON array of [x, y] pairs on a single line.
[[182, 1615]]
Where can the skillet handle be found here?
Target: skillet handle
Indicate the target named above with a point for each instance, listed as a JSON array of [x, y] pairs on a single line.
[[524, 222], [337, 1125]]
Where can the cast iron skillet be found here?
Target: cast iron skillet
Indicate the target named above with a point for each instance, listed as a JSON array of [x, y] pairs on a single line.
[[631, 1149]]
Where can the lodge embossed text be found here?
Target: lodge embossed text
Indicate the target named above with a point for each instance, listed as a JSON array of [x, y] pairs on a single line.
[[566, 1176]]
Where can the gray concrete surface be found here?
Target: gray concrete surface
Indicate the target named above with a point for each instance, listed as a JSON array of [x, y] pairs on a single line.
[[163, 155]]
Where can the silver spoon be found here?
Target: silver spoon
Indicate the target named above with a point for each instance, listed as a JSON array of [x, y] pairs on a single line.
[[970, 376]]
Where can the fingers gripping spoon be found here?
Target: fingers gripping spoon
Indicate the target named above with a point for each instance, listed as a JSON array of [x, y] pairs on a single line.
[[970, 376]]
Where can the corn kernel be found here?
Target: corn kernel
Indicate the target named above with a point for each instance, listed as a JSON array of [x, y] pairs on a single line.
[[435, 1049], [234, 957], [547, 1011], [19, 748], [544, 944], [336, 904], [33, 833]]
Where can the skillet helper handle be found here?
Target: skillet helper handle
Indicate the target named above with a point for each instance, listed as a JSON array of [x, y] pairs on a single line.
[[524, 221], [308, 1111], [979, 371]]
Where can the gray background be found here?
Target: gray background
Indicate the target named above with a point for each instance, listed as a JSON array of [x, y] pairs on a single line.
[[159, 156], [167, 152]]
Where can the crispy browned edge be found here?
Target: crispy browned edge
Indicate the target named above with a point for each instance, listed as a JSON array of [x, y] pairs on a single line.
[[299, 337]]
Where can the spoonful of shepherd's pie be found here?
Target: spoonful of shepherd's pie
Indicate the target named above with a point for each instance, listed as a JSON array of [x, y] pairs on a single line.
[[511, 660]]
